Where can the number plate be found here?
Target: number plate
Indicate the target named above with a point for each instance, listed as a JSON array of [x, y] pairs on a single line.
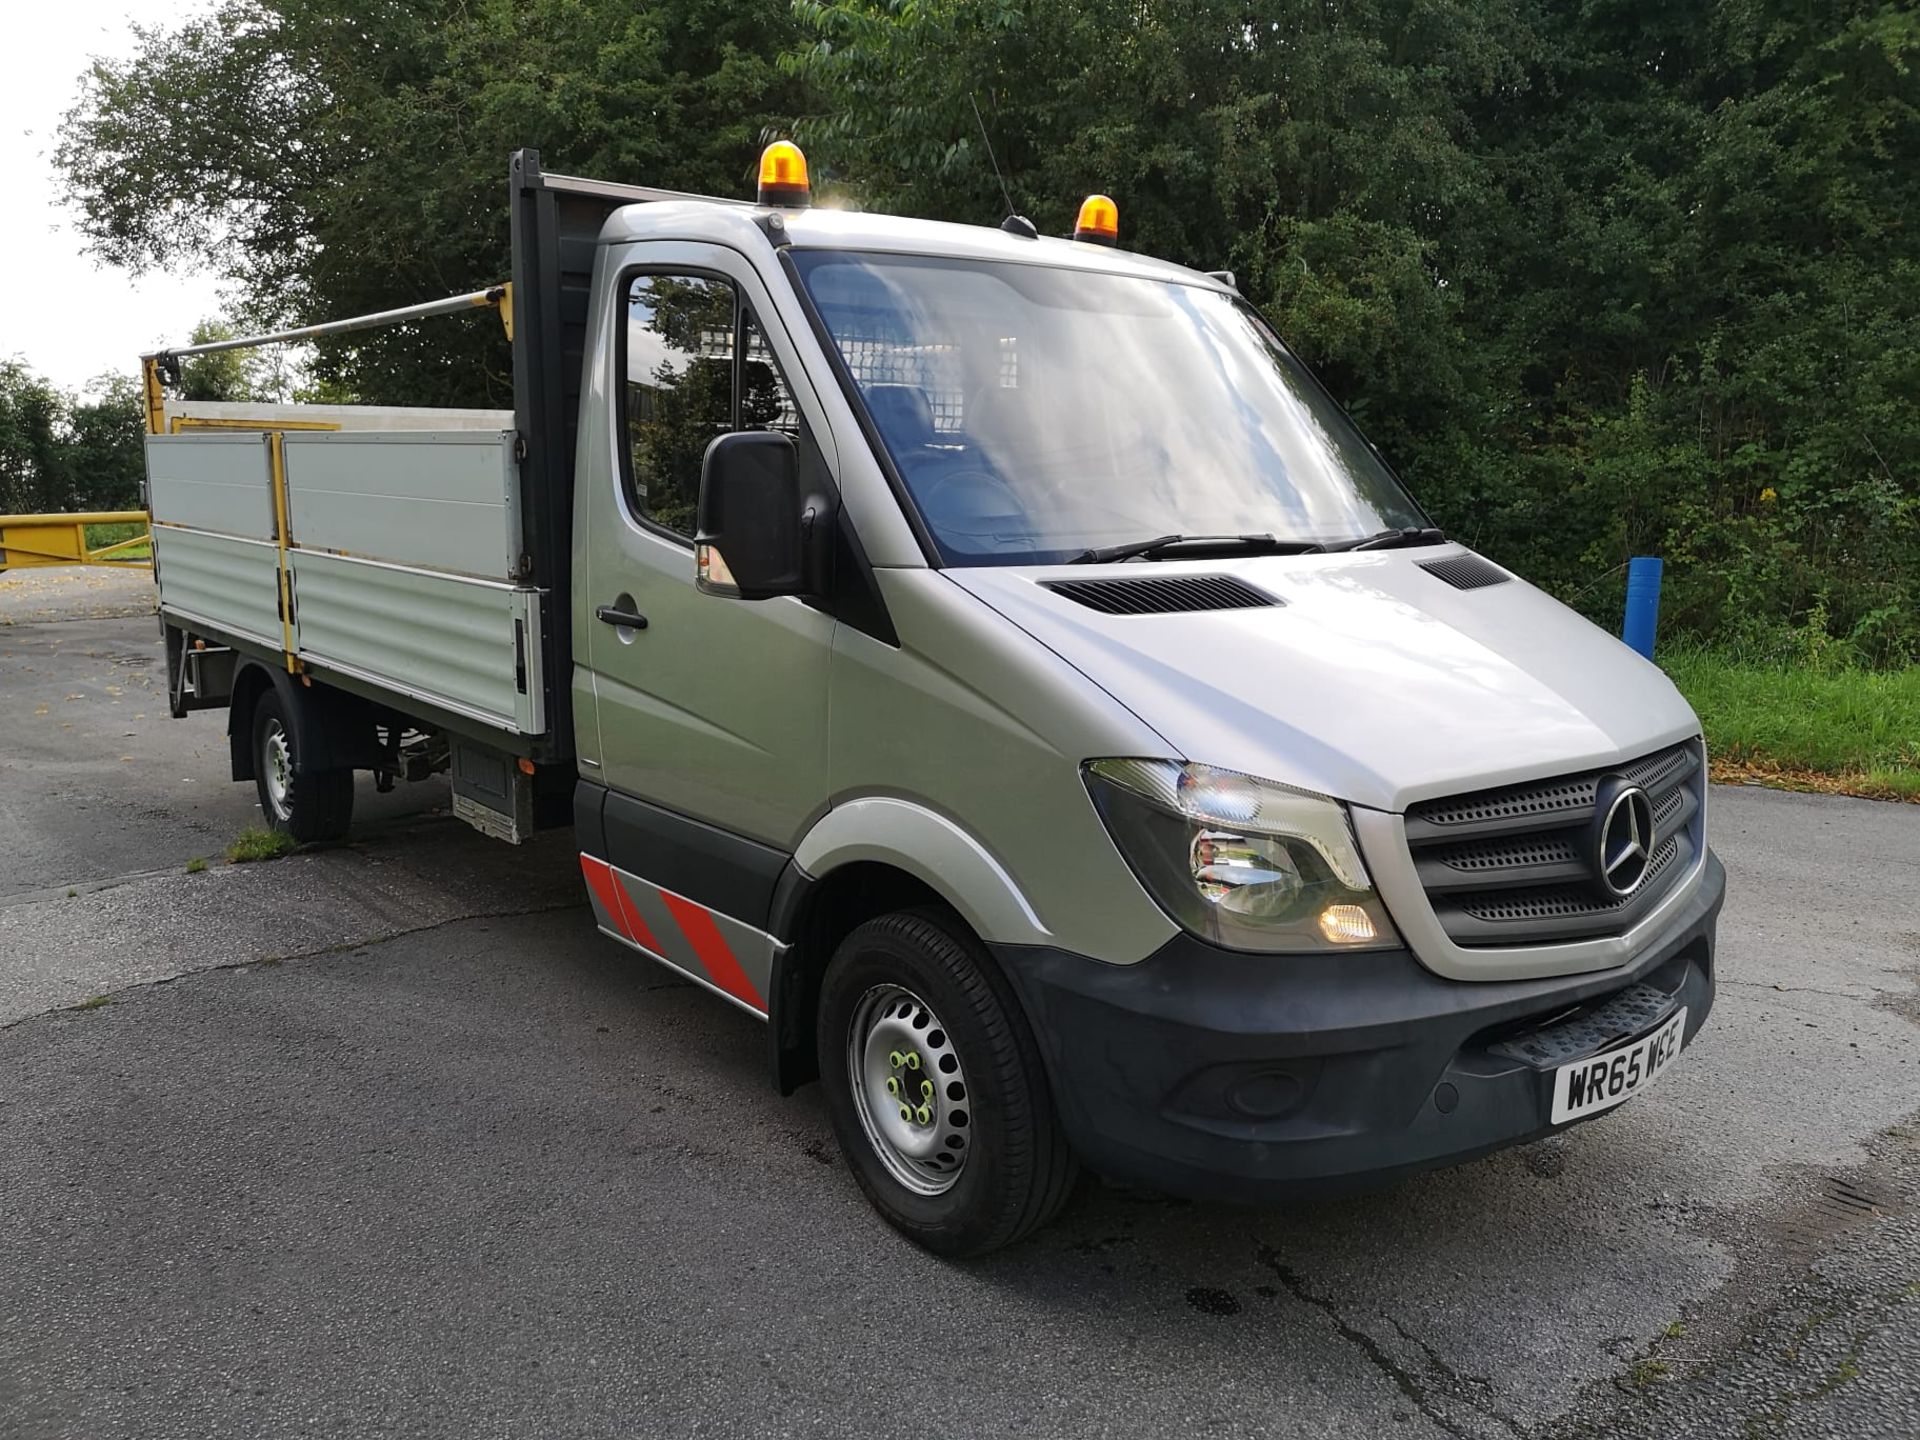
[[1602, 1081]]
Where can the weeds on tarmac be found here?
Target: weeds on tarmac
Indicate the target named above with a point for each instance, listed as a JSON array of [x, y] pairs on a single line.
[[255, 843]]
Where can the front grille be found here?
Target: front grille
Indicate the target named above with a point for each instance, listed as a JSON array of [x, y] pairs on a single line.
[[1516, 865]]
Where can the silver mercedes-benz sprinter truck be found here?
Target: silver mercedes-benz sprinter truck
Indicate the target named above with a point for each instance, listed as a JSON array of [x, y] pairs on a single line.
[[998, 665]]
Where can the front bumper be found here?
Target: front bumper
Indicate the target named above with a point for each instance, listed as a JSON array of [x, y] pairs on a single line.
[[1224, 1075]]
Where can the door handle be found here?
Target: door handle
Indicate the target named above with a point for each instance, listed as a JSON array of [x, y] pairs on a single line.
[[625, 619]]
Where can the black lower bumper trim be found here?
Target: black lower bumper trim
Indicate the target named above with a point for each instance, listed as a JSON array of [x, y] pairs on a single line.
[[1225, 1075]]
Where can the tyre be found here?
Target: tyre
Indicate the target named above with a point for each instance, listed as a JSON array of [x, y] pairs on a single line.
[[295, 798], [935, 1087]]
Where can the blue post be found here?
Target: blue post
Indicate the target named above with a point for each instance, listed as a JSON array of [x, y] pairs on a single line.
[[1643, 602]]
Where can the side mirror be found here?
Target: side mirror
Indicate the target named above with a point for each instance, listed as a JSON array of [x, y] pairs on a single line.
[[759, 530]]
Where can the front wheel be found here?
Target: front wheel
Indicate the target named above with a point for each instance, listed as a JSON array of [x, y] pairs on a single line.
[[295, 798], [935, 1087]]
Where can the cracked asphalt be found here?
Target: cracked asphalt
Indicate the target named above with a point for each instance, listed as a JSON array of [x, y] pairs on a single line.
[[383, 1139]]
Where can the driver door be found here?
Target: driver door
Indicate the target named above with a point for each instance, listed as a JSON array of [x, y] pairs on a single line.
[[714, 715]]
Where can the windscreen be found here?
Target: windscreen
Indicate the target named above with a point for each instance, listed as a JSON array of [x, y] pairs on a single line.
[[1035, 412]]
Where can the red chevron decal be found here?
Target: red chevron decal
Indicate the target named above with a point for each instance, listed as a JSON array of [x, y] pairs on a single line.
[[612, 895], [601, 882], [714, 952]]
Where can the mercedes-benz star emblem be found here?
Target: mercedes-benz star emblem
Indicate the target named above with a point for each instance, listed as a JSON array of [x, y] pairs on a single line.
[[1623, 838]]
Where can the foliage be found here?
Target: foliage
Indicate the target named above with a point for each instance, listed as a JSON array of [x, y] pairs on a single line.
[[231, 374], [106, 446], [1602, 279], [340, 159], [256, 842], [59, 452], [34, 473]]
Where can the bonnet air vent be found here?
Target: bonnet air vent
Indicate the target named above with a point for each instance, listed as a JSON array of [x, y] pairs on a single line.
[[1466, 572], [1163, 594]]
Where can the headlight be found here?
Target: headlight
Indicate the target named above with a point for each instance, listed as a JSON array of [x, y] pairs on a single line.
[[1245, 863]]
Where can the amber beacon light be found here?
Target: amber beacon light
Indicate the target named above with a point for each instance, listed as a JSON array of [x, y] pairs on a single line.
[[783, 176], [1099, 221]]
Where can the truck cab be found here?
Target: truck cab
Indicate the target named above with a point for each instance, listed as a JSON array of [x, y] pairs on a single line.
[[996, 663]]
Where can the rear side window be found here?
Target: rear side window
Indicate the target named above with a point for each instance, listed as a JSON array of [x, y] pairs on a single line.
[[697, 367]]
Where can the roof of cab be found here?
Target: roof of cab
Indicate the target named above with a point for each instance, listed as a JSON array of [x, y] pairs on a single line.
[[738, 225]]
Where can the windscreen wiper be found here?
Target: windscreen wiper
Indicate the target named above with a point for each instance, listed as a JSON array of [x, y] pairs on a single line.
[[1388, 540], [1160, 544]]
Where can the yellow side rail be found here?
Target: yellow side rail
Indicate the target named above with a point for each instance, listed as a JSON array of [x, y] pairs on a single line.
[[62, 539]]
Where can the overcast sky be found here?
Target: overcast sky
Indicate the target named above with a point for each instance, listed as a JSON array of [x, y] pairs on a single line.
[[66, 315]]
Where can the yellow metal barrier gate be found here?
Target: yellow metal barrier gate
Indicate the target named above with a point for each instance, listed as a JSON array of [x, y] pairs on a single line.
[[62, 540]]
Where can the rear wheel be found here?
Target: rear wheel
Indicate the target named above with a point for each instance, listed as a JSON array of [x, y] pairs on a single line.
[[296, 799], [935, 1087]]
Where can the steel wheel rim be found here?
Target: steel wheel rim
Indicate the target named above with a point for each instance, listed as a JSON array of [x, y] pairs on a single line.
[[277, 753], [895, 1036]]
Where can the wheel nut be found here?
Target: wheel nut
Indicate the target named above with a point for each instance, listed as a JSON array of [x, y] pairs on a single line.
[[913, 1060], [893, 1086], [924, 1115], [906, 1113], [926, 1089], [896, 1059]]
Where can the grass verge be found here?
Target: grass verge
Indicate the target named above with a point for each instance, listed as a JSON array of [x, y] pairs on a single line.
[[1839, 731], [101, 536], [255, 843]]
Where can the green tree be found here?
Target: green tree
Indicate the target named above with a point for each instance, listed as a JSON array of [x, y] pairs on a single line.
[[1325, 154], [60, 453], [223, 375], [1708, 305], [339, 160], [1601, 279], [106, 444], [36, 472]]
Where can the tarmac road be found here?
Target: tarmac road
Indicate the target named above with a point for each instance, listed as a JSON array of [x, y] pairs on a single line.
[[383, 1139]]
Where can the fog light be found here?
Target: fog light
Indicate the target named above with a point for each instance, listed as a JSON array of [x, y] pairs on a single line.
[[1346, 924], [1266, 1094]]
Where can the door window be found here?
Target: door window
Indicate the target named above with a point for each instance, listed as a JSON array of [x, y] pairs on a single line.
[[697, 368], [765, 401]]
